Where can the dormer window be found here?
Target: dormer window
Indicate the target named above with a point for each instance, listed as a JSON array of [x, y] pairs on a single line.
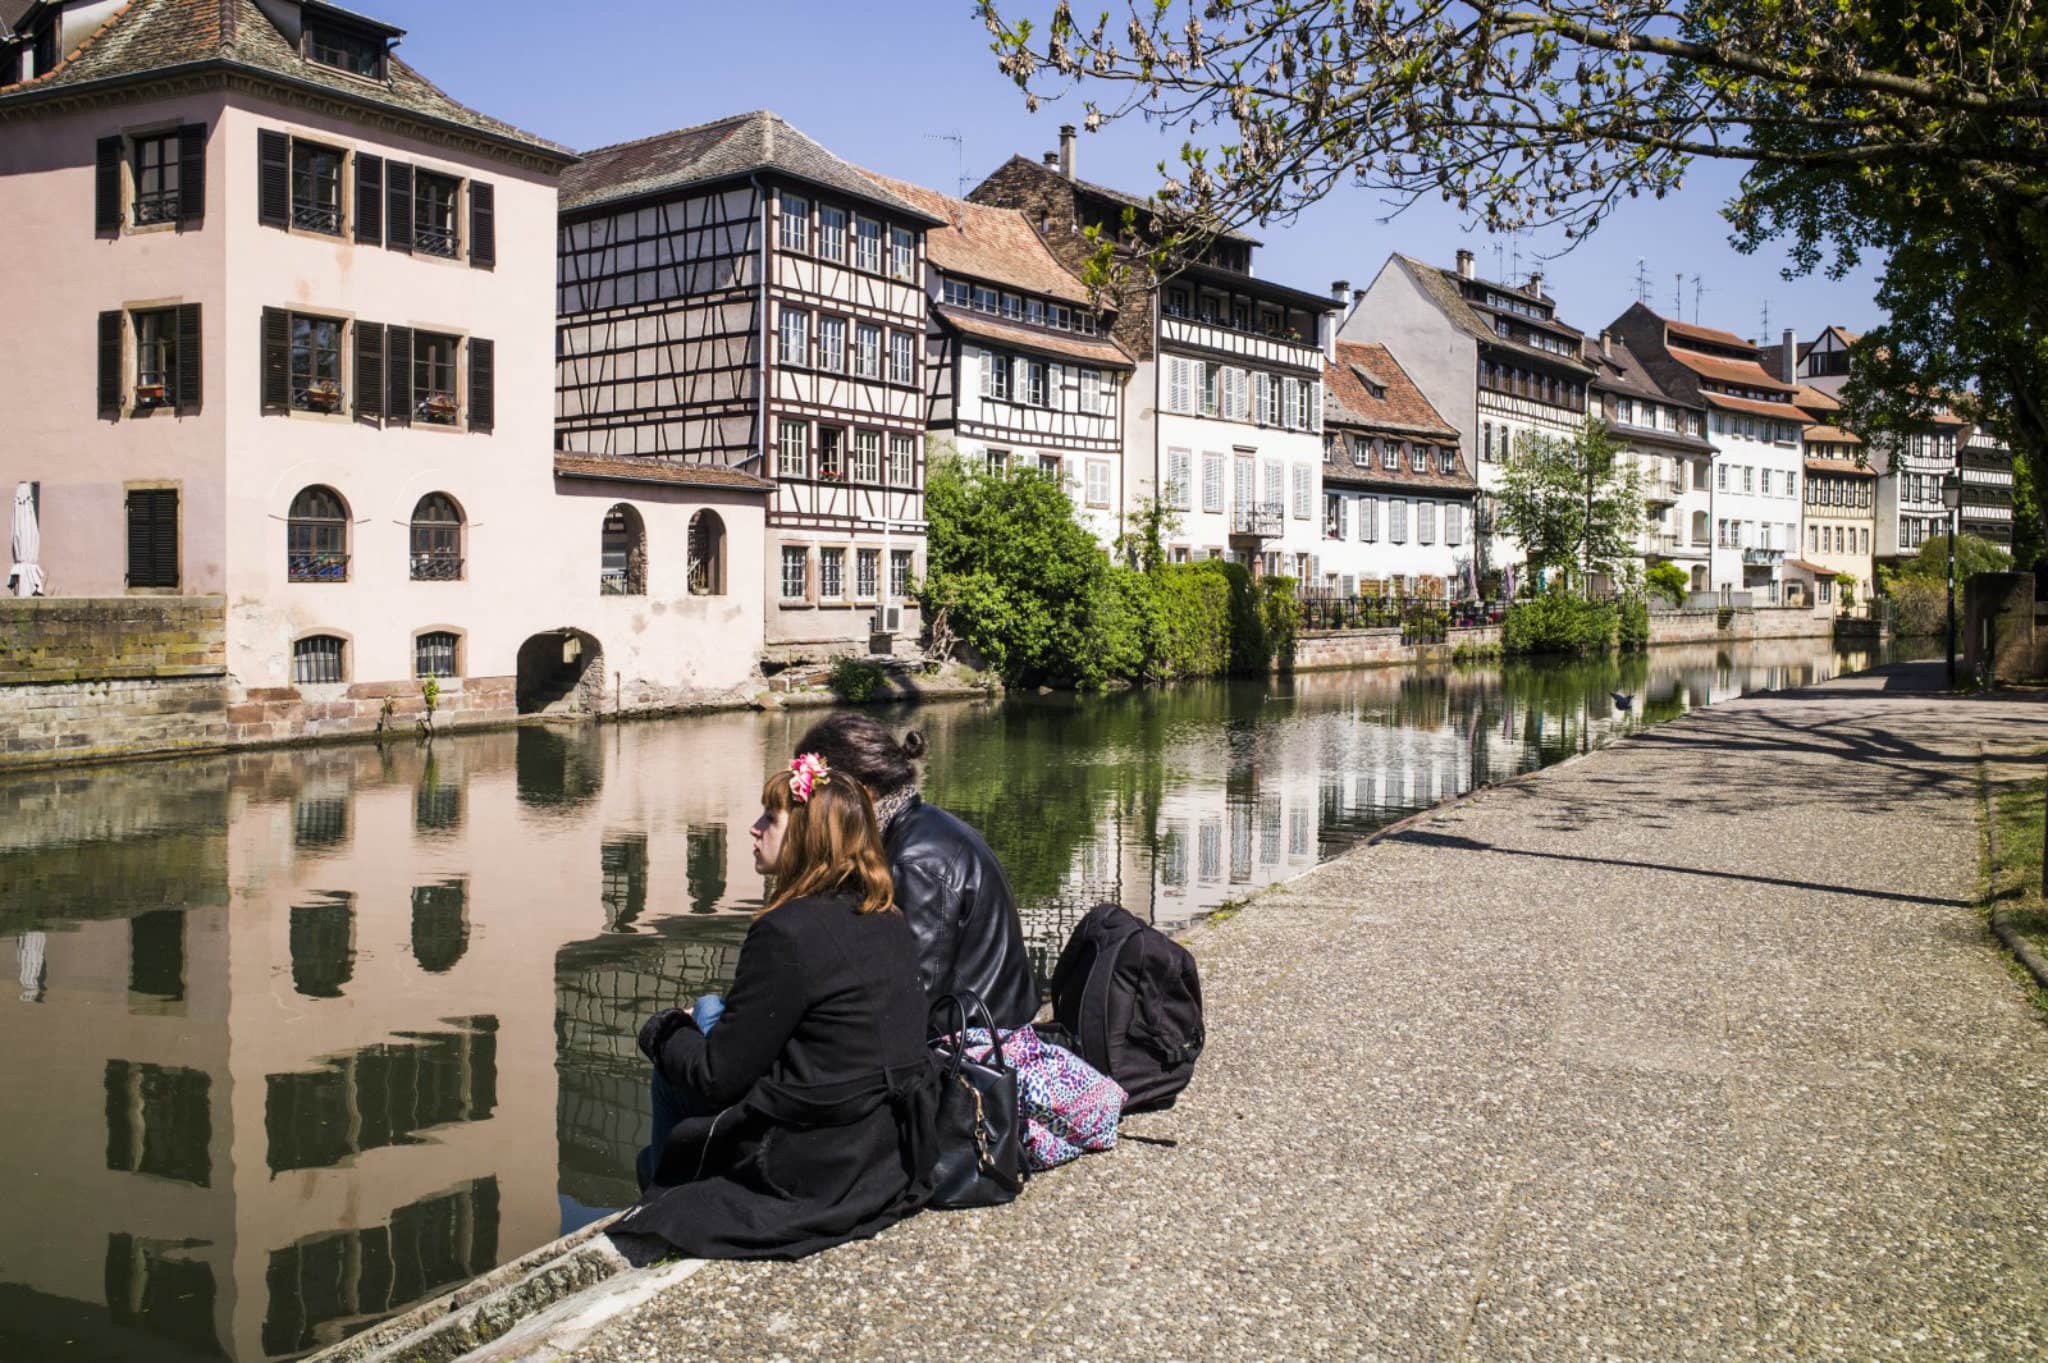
[[359, 54]]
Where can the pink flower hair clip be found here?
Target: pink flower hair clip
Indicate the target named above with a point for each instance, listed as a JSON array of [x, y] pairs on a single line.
[[806, 773]]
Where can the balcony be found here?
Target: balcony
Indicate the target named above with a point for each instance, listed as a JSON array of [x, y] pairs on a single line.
[[1765, 557], [1662, 490], [1258, 522]]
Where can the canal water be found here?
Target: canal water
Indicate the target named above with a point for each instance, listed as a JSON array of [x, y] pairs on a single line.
[[294, 1039]]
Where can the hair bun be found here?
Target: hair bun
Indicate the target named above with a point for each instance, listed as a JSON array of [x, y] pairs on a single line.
[[913, 744]]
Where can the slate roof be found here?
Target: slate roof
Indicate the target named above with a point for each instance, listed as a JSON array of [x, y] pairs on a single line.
[[1441, 285], [1349, 399], [146, 38], [1097, 350], [614, 469], [725, 149], [980, 242]]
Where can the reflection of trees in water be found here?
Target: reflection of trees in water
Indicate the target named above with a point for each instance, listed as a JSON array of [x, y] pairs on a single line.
[[437, 799], [559, 768]]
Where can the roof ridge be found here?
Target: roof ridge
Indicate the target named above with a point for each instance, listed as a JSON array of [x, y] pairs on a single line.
[[674, 132], [229, 20]]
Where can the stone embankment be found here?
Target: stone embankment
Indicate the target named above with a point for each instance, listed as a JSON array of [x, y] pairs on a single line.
[[1694, 1048]]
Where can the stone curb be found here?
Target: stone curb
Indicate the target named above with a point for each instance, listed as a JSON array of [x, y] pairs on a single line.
[[2020, 947], [2001, 921]]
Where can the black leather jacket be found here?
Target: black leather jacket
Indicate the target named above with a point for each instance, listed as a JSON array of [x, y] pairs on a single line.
[[954, 894]]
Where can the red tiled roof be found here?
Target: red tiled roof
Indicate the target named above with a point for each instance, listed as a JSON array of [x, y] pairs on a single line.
[[982, 242], [1096, 350], [1700, 333], [626, 470], [1834, 435], [1746, 372], [1780, 411], [1350, 401], [1814, 400], [1838, 466], [1803, 566]]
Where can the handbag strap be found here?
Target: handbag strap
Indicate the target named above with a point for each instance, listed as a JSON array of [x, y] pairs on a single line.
[[965, 1005]]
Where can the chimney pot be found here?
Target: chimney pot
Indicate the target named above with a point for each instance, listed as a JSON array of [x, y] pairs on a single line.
[[1052, 160], [1789, 363], [1536, 283], [1607, 345], [1465, 265], [1067, 150], [1341, 290]]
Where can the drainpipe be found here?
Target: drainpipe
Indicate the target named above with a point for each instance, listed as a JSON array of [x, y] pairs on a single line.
[[761, 393]]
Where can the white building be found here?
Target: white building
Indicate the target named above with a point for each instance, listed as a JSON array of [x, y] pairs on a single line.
[[1665, 439]]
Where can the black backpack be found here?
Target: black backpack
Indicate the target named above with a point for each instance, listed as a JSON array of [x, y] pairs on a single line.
[[1128, 997]]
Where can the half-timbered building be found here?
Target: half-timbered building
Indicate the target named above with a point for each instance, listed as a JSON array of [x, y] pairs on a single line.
[[1021, 370], [1665, 438], [735, 295], [1223, 415]]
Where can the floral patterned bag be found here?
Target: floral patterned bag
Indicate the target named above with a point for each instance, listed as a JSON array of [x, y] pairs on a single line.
[[1070, 1108]]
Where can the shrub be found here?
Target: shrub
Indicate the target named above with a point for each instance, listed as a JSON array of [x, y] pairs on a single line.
[[1633, 624], [1279, 621], [1921, 606], [856, 681], [1669, 581], [1190, 623], [1558, 623]]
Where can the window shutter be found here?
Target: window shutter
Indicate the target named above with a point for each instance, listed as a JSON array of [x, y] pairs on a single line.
[[483, 225], [138, 538], [369, 201], [111, 324], [398, 371], [273, 179], [106, 186], [277, 360], [189, 390], [398, 203], [192, 172], [482, 384], [369, 370], [153, 537]]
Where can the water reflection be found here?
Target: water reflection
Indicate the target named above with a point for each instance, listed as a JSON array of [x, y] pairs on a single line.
[[300, 1037]]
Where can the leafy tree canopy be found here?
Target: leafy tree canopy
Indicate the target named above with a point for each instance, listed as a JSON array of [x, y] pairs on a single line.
[[1572, 505]]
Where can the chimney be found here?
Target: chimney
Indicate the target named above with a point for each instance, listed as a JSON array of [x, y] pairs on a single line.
[[1536, 283], [1341, 290], [1788, 366], [1052, 160], [1606, 346], [1067, 150], [1465, 265]]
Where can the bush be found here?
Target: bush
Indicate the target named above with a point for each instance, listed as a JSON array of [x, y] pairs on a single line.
[[1633, 625], [856, 681], [1558, 623], [1279, 621], [1921, 606], [1190, 623], [1669, 581]]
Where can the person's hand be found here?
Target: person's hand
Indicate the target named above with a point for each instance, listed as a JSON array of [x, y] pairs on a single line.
[[655, 1032]]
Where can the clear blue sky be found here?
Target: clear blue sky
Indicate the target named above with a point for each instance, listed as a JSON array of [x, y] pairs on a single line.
[[877, 80]]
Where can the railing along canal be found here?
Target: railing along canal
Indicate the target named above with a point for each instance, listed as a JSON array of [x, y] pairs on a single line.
[[1420, 619]]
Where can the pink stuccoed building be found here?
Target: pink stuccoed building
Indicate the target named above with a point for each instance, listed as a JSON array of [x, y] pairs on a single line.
[[279, 328]]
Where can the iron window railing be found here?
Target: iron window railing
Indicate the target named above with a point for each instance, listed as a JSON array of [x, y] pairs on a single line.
[[317, 567], [620, 582], [437, 565], [1267, 521], [1421, 619], [433, 655]]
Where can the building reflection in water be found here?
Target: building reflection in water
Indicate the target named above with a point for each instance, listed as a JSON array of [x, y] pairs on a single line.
[[301, 1037]]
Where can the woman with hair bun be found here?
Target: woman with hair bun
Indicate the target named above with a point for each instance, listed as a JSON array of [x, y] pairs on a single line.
[[949, 886], [804, 1117]]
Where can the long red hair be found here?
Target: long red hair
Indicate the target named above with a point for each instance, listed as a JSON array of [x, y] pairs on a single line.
[[833, 843]]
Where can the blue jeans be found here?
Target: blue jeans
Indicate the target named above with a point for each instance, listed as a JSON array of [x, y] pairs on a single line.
[[673, 1104]]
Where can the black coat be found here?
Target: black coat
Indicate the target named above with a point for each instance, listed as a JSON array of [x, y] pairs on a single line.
[[953, 891], [825, 1090]]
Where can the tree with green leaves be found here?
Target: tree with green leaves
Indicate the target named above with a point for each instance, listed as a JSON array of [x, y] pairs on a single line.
[[1974, 555], [1911, 131], [1575, 506]]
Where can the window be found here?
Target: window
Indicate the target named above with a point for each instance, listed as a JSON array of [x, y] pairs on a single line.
[[1304, 491], [433, 378], [156, 357], [831, 233], [998, 461], [359, 54], [316, 537], [434, 199], [899, 572], [1212, 385], [316, 661], [153, 537], [316, 364], [1748, 478], [902, 253], [622, 553], [1397, 520], [1269, 402], [1390, 455], [867, 244], [316, 188], [1097, 491], [867, 350], [436, 539], [1333, 516], [1180, 482], [1721, 477], [792, 452], [1418, 457], [996, 376], [831, 574], [1446, 459], [867, 572], [707, 554], [156, 179], [902, 368], [1212, 482], [795, 234], [796, 572], [831, 452], [1034, 382], [832, 344], [1826, 585], [867, 456], [794, 338], [902, 461], [1425, 522], [433, 654]]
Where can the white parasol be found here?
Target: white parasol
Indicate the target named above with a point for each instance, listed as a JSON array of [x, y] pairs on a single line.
[[27, 574]]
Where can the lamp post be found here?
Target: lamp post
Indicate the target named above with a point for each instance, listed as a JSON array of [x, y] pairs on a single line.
[[1952, 499]]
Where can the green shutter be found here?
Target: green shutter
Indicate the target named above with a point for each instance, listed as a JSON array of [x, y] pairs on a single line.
[[398, 368], [398, 205], [369, 370]]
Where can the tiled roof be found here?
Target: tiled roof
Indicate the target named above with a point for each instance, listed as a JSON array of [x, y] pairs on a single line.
[[980, 242], [1618, 370], [1748, 373], [623, 470], [1133, 200], [726, 149], [147, 37], [1814, 400], [1442, 287], [1097, 350], [1777, 411], [1836, 466], [1803, 566], [1832, 435], [1700, 333], [1349, 399], [1342, 472]]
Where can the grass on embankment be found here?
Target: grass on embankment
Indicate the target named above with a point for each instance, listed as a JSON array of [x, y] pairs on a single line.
[[2013, 881]]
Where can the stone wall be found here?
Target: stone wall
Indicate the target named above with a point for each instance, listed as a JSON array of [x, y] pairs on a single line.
[[286, 714], [69, 639], [1764, 622], [1383, 648]]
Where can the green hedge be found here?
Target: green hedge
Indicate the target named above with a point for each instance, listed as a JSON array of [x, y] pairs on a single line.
[[1561, 623]]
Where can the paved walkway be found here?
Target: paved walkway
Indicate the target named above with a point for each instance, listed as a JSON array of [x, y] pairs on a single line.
[[1690, 1049]]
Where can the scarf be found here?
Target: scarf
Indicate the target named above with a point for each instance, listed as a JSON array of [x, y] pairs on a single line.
[[889, 806]]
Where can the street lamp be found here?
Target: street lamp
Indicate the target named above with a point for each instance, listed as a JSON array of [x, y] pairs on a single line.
[[1952, 498]]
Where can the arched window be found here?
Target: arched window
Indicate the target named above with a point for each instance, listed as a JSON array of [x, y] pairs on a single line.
[[319, 660], [707, 554], [436, 654], [1699, 527], [437, 539], [316, 537], [622, 564]]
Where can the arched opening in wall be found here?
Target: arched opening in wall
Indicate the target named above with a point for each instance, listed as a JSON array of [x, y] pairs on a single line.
[[437, 539], [707, 554], [1699, 577], [1699, 527], [560, 673], [622, 561], [316, 537]]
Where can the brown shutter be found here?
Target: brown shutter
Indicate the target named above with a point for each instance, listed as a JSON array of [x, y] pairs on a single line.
[[369, 370], [139, 508], [189, 392], [398, 369], [277, 360], [398, 202], [106, 186], [483, 407], [192, 172], [369, 199], [273, 179], [153, 537], [111, 325], [483, 225]]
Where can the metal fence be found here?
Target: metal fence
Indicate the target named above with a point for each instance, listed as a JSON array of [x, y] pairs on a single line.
[[1421, 619]]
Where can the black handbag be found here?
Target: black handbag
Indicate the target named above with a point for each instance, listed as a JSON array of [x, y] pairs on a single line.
[[980, 1125]]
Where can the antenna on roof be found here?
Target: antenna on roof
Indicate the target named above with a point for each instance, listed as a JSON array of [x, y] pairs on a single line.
[[1678, 295], [1642, 281], [1766, 332], [959, 159], [1698, 288]]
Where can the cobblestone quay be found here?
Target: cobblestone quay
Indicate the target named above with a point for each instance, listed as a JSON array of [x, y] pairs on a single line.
[[1693, 1048]]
